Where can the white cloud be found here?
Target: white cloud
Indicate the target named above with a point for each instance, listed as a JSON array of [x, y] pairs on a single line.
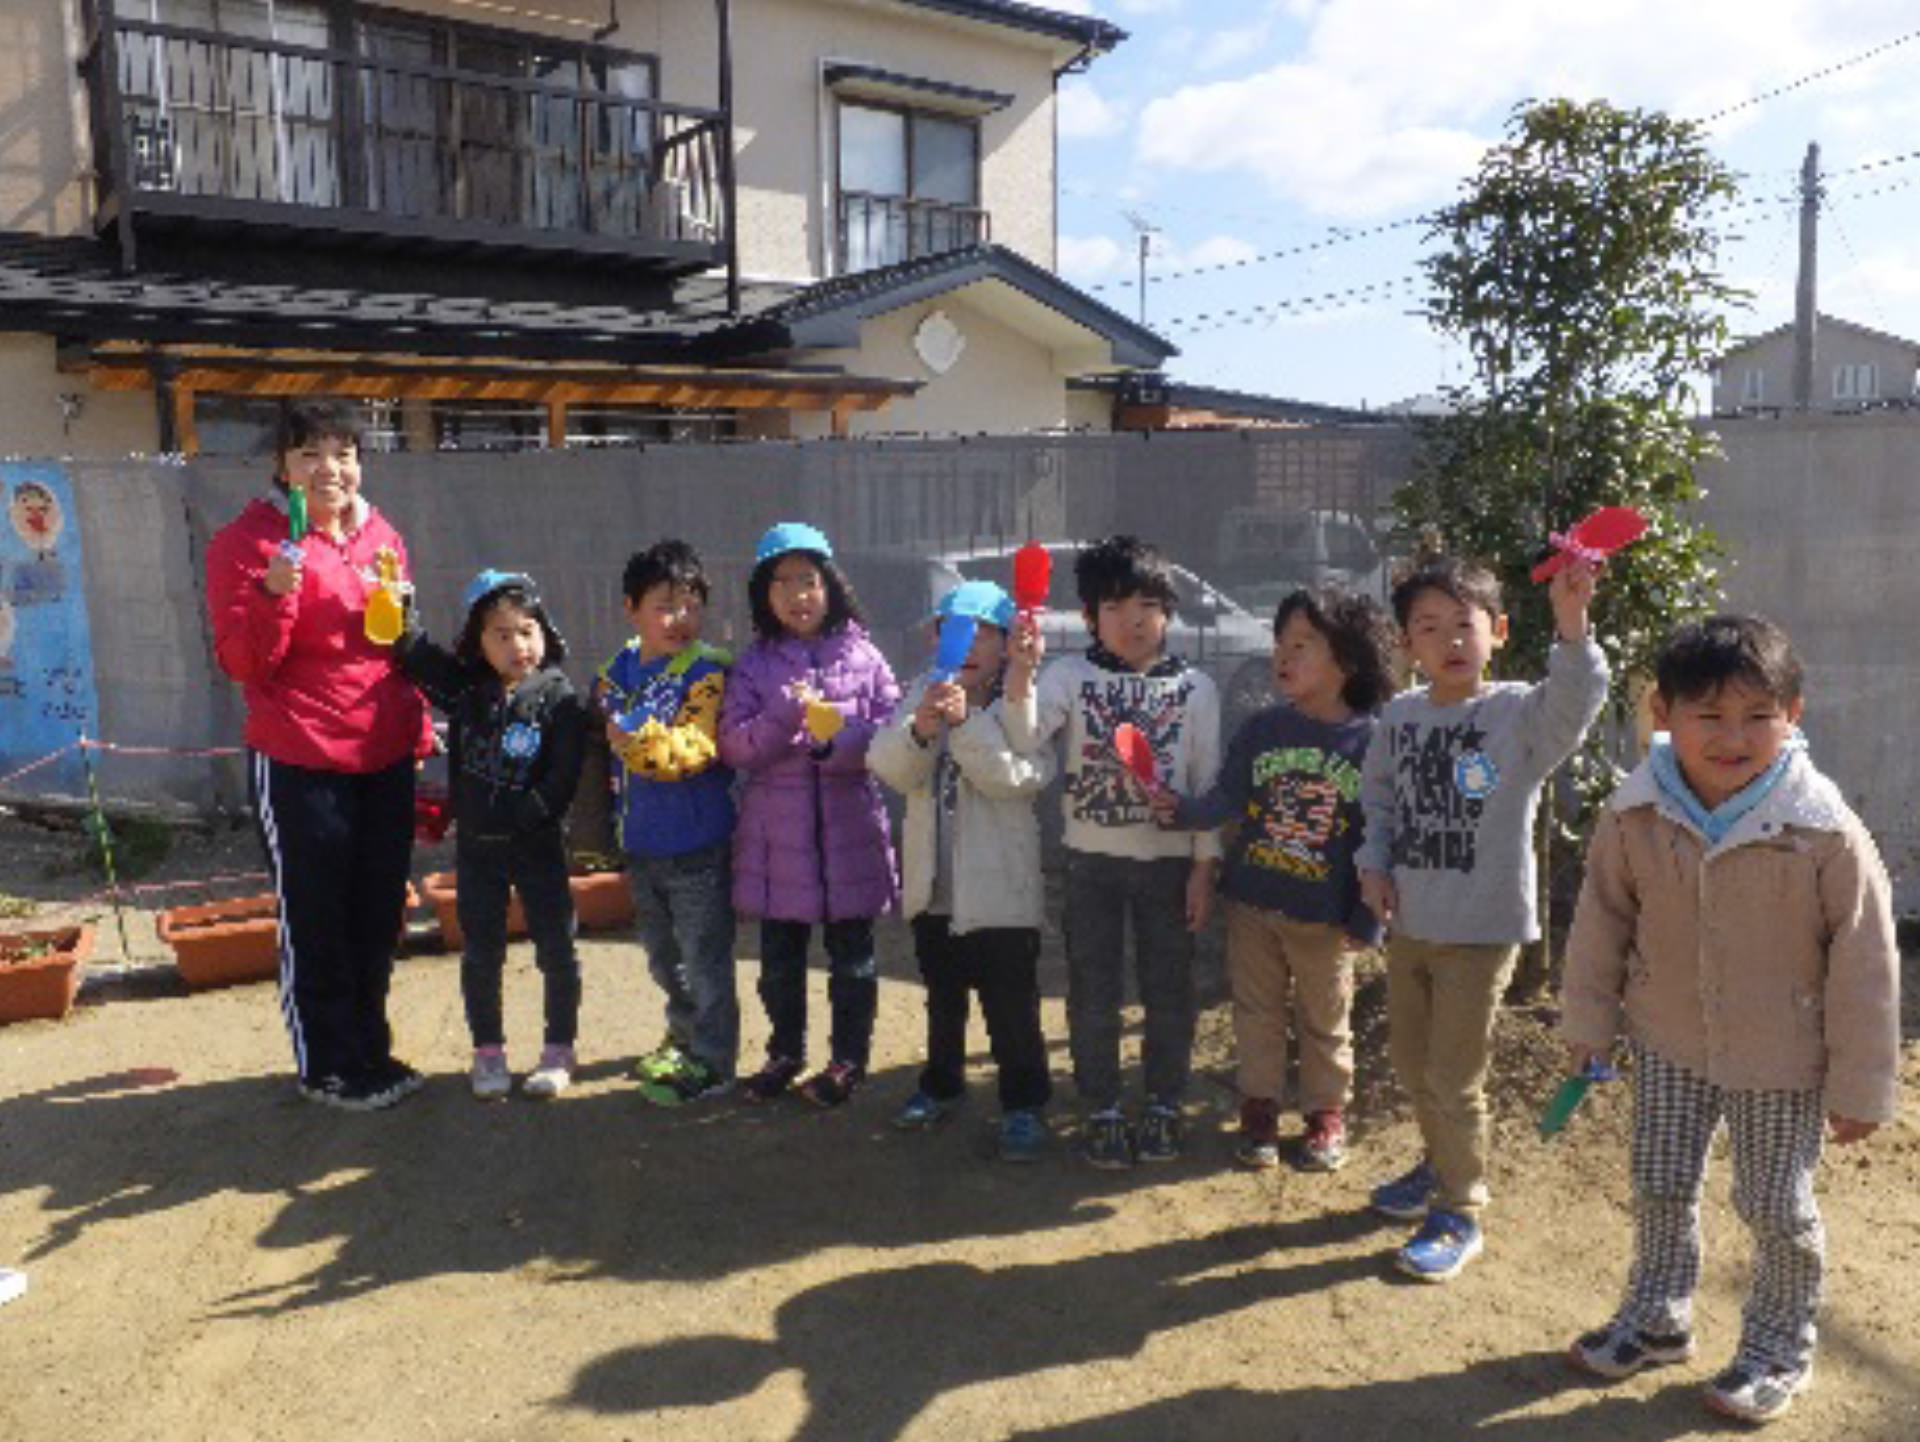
[[1385, 104], [1085, 114], [1214, 250], [1088, 259]]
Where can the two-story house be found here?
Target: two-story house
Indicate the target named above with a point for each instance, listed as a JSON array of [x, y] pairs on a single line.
[[1854, 368], [538, 222]]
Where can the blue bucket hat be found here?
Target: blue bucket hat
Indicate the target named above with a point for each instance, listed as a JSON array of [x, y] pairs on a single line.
[[982, 600], [792, 536], [490, 583], [490, 580]]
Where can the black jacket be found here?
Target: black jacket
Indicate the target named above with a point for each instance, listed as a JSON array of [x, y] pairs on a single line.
[[514, 757]]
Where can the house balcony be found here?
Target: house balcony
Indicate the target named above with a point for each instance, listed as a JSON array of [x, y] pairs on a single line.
[[205, 132], [877, 230]]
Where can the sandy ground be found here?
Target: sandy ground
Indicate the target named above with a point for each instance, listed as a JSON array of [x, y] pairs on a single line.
[[211, 1257]]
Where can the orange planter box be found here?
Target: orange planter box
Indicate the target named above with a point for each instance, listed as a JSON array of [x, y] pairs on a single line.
[[224, 943], [42, 988], [601, 902], [228, 943]]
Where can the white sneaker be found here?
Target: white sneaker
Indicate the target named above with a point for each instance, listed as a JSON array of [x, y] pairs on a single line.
[[490, 1077], [553, 1076]]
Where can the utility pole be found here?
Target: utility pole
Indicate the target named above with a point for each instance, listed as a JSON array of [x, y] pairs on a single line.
[[1805, 311], [1145, 230]]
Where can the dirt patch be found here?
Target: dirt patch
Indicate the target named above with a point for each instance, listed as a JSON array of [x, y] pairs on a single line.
[[212, 1258]]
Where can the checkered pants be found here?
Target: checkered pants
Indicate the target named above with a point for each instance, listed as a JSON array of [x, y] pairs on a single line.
[[1775, 1138]]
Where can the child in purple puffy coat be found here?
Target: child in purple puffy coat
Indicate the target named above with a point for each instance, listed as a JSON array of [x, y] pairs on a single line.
[[812, 845]]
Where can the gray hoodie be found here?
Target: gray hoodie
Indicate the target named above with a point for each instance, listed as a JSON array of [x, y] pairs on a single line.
[[1450, 794]]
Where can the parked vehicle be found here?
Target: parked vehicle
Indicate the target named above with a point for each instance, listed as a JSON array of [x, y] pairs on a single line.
[[1265, 553], [1210, 628]]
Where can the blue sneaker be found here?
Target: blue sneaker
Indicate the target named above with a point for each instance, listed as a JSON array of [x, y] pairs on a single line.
[[1445, 1243], [1405, 1198], [1023, 1135], [922, 1113]]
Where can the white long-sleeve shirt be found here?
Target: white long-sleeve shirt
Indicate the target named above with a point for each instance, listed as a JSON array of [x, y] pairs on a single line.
[[1174, 705]]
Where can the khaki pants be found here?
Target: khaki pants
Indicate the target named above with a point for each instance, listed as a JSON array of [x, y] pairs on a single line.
[[1272, 960], [1440, 1006]]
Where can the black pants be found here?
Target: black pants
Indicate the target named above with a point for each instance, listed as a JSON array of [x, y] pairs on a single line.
[[338, 845], [536, 866], [853, 987], [1001, 963]]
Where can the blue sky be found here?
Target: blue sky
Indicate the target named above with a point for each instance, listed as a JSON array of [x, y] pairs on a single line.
[[1240, 128]]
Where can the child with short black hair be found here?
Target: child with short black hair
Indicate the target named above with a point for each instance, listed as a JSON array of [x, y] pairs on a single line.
[[1451, 785], [813, 846], [1736, 924], [661, 695], [973, 887], [1291, 779], [1119, 864], [516, 738]]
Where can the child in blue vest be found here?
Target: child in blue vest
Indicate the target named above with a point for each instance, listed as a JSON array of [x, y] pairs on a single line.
[[661, 695]]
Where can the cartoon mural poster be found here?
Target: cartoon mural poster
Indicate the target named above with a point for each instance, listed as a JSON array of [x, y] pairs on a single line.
[[37, 518], [47, 694]]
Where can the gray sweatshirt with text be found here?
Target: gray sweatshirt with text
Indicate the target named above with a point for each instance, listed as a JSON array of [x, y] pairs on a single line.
[[1450, 794]]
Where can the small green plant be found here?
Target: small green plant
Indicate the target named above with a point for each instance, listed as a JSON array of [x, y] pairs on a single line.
[[138, 845], [16, 952], [12, 907]]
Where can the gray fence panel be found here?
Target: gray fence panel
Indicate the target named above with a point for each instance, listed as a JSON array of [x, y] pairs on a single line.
[[1244, 513]]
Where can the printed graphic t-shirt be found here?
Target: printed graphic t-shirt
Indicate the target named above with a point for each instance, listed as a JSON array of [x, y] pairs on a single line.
[[1293, 783], [1450, 794]]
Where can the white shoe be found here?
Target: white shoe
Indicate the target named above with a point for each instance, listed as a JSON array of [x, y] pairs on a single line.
[[553, 1076], [490, 1078]]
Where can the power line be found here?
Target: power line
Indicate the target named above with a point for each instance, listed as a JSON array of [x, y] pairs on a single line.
[[1804, 80], [1866, 165], [1301, 305], [1337, 237]]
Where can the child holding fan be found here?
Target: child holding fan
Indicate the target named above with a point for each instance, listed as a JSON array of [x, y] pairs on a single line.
[[1737, 925], [812, 846], [1292, 779], [516, 739], [971, 847]]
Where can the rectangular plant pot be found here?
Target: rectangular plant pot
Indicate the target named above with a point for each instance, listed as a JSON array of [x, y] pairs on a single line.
[[601, 902], [228, 943], [43, 987], [224, 943]]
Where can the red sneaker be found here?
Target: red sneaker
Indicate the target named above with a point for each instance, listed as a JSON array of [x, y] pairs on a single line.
[[1323, 1148]]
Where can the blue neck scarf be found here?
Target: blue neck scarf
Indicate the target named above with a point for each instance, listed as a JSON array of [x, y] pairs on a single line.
[[1715, 824]]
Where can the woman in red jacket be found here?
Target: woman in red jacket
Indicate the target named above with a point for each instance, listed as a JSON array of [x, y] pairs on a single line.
[[333, 731]]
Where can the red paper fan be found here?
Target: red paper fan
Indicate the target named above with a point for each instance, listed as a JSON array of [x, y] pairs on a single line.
[[1032, 576], [1594, 539]]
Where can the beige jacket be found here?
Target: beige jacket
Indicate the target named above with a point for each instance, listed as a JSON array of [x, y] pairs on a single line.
[[1766, 962], [996, 834]]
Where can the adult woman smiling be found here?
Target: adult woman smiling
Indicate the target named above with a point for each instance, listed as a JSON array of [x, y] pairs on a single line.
[[333, 730]]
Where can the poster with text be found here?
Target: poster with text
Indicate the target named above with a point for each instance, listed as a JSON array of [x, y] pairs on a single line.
[[47, 695]]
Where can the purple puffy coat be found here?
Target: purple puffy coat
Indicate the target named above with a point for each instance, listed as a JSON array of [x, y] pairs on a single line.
[[812, 844]]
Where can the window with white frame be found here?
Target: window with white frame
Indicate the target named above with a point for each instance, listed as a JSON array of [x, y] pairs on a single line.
[[1859, 381], [1753, 387], [909, 184]]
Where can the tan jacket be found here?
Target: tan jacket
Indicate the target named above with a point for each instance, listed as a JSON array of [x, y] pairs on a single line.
[[997, 878], [1766, 962]]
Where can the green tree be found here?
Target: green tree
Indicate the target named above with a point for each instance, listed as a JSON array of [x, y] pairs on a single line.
[[1580, 272]]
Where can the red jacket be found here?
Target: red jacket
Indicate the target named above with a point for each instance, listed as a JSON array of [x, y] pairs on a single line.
[[319, 693]]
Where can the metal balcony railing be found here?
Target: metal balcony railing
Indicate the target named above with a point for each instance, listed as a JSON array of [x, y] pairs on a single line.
[[878, 230], [196, 122]]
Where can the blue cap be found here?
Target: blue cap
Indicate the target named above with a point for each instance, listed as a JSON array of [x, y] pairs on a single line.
[[982, 600], [490, 580], [792, 536]]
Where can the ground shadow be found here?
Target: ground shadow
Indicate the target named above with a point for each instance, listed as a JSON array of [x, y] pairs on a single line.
[[874, 1349], [443, 1185], [1474, 1400]]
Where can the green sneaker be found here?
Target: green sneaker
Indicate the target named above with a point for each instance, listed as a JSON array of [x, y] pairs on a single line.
[[664, 1060], [693, 1080]]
